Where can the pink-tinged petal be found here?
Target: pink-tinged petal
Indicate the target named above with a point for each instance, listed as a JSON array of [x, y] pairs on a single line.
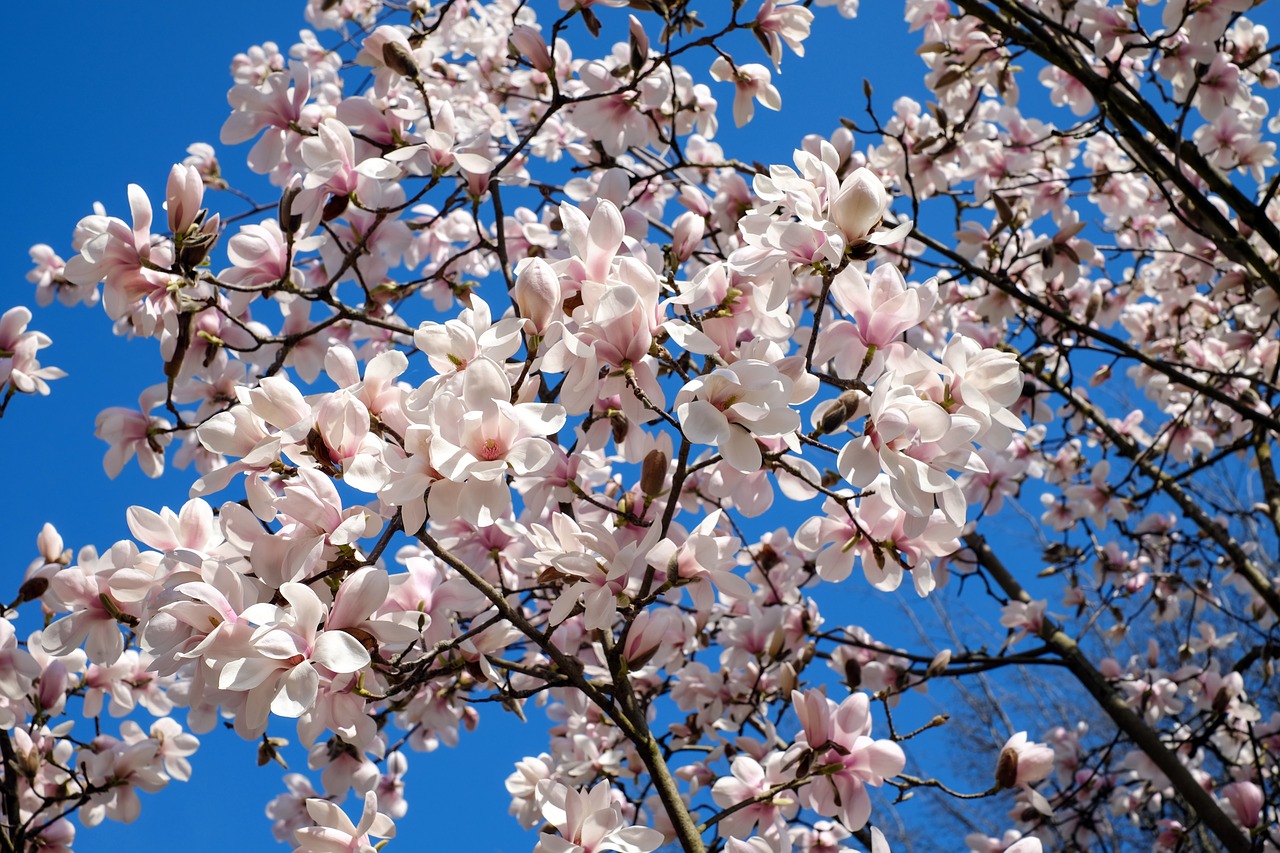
[[634, 839], [885, 758], [528, 456], [297, 692], [556, 844], [739, 449], [104, 643], [361, 593], [835, 564], [748, 770], [340, 652], [604, 236], [140, 208], [731, 585], [859, 462], [322, 839], [853, 716], [150, 528], [246, 673], [600, 609], [564, 605], [597, 825], [856, 802], [65, 635], [702, 422], [327, 814], [308, 610]]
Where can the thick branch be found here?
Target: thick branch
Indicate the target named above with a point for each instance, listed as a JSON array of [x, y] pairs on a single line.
[[1240, 561], [1142, 735], [1130, 117], [632, 725]]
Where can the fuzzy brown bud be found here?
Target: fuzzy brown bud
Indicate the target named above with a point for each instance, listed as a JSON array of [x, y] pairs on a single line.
[[653, 473]]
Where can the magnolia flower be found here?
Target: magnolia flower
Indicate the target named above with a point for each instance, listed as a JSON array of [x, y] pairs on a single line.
[[334, 832], [859, 204], [752, 82], [751, 779], [1247, 801], [1023, 762], [839, 736], [588, 822], [733, 405]]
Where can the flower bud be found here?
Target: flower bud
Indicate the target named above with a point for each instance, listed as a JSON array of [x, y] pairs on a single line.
[[638, 42], [49, 543], [537, 294], [686, 234], [32, 588], [398, 58], [530, 44], [183, 194], [939, 664], [53, 687], [859, 204], [653, 473], [1023, 762], [1247, 801]]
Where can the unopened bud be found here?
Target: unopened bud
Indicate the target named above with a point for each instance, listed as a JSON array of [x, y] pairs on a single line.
[[32, 588], [49, 543], [53, 686], [939, 664], [686, 234], [537, 294], [787, 679], [398, 58], [653, 473], [852, 673], [530, 44], [290, 222], [619, 426], [842, 409], [638, 41]]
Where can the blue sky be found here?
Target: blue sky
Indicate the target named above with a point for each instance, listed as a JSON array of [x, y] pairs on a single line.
[[108, 94]]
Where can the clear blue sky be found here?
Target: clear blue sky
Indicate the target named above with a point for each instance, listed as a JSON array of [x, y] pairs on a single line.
[[104, 94]]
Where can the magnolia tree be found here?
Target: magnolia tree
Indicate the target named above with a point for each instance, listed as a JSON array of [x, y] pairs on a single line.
[[522, 394]]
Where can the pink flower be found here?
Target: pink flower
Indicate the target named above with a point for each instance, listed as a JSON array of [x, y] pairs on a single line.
[[779, 22], [588, 822], [18, 348], [1246, 800], [752, 82], [1023, 762], [335, 833], [750, 779], [839, 737]]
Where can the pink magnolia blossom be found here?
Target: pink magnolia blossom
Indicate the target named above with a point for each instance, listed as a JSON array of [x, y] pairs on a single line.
[[839, 735], [752, 83], [588, 822], [335, 833]]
